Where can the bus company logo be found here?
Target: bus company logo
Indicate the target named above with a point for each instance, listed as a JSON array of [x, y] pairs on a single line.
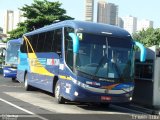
[[52, 61], [93, 83]]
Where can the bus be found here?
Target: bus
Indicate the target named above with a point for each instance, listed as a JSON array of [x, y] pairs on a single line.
[[2, 52], [11, 58], [79, 61]]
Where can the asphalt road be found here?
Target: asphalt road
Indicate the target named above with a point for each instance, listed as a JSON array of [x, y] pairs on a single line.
[[18, 104]]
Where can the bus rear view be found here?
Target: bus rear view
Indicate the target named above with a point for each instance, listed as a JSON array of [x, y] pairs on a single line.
[[93, 63]]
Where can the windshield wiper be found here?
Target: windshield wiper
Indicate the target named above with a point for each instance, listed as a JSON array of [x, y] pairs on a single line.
[[121, 80], [99, 65], [87, 75], [102, 59]]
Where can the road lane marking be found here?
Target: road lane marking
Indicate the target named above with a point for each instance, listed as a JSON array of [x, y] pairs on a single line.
[[22, 109], [11, 86]]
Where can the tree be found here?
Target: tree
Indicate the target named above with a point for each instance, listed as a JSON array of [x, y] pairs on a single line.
[[39, 14], [148, 37], [17, 33]]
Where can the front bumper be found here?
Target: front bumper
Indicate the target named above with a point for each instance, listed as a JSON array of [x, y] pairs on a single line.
[[87, 94]]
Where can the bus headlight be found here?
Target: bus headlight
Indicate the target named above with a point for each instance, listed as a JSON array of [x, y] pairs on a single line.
[[76, 93], [6, 71], [130, 98]]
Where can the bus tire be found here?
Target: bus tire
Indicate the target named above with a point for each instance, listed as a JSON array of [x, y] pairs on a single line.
[[58, 97], [14, 80], [26, 85]]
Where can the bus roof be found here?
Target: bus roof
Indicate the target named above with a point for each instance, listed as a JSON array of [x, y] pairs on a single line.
[[83, 26]]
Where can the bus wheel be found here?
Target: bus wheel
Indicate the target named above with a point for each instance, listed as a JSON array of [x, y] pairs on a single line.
[[14, 80], [26, 85], [58, 97]]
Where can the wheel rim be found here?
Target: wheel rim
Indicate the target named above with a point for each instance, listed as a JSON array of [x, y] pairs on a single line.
[[57, 91]]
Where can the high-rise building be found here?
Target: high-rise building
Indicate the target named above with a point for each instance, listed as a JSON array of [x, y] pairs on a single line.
[[1, 30], [144, 24], [101, 11], [130, 24], [89, 10], [12, 18], [120, 22], [107, 13], [9, 21]]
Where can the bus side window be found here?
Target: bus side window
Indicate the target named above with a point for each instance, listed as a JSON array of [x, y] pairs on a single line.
[[29, 47], [40, 43], [57, 44], [34, 41], [48, 41], [23, 47], [68, 46]]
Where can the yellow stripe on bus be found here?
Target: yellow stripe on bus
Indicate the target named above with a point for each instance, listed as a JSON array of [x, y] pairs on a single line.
[[39, 68], [65, 77], [27, 41]]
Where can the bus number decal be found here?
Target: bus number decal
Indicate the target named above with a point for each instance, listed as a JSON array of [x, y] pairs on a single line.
[[68, 88], [61, 66]]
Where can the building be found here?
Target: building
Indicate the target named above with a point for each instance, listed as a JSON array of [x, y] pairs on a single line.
[[120, 22], [12, 18], [18, 18], [130, 24], [107, 13], [9, 21], [101, 12], [144, 24], [1, 30], [89, 10]]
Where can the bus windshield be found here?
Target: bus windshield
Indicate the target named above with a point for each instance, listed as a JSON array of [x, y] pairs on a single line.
[[12, 53], [105, 58]]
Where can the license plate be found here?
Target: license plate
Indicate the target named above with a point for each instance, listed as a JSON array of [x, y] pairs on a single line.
[[106, 98]]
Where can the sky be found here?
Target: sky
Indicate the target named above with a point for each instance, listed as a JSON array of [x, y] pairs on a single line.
[[142, 9]]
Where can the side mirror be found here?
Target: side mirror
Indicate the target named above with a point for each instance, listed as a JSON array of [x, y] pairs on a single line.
[[143, 51], [75, 42]]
